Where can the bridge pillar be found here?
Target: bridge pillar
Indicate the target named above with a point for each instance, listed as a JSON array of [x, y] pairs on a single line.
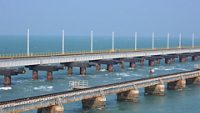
[[158, 61], [132, 65], [49, 75], [194, 58], [121, 65], [98, 67], [82, 70], [35, 75], [7, 80], [109, 67], [142, 62], [69, 71], [151, 62], [168, 60], [177, 85], [157, 90], [182, 59], [132, 95], [92, 103], [51, 109]]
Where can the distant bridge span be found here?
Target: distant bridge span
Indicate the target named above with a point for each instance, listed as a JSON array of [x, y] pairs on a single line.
[[14, 61]]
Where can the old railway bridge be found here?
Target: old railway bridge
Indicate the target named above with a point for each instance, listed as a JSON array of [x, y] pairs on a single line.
[[95, 97]]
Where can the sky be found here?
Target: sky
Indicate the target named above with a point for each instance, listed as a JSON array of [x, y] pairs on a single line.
[[79, 17]]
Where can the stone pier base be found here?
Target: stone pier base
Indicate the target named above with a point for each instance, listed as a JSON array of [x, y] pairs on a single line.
[[132, 95], [177, 85], [51, 109], [157, 90], [92, 103]]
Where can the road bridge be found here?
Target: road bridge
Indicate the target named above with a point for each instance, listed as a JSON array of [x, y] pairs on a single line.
[[95, 97]]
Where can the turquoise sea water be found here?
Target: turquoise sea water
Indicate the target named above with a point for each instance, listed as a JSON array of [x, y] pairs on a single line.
[[186, 101]]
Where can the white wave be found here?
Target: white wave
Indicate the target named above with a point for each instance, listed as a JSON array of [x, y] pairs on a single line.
[[103, 70], [123, 74], [44, 88], [119, 78], [137, 75], [5, 88], [182, 69]]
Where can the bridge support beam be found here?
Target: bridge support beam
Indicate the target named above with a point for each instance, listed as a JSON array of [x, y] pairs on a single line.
[[151, 63], [92, 103], [110, 67], [177, 85], [157, 90], [49, 75], [35, 75], [7, 80], [82, 71], [69, 71], [51, 109], [132, 95], [132, 65], [98, 67]]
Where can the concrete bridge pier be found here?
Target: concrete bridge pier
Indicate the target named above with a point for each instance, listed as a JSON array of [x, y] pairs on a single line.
[[176, 85], [151, 62], [98, 67], [142, 62], [183, 59], [110, 67], [168, 60], [158, 61], [49, 75], [131, 95], [96, 102], [195, 57], [51, 109], [82, 71], [7, 80], [157, 90], [122, 64], [132, 65], [69, 70], [35, 74]]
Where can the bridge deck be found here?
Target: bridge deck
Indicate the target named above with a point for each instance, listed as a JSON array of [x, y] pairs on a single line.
[[36, 102], [63, 58]]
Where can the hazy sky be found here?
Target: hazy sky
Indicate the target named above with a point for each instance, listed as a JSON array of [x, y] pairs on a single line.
[[78, 17]]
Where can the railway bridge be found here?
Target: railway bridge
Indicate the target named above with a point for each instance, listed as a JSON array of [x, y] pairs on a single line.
[[95, 97], [58, 61]]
